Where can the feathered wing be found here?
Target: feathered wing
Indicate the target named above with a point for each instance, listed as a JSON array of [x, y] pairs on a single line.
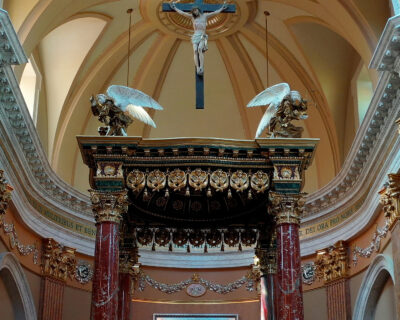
[[274, 94], [266, 119], [124, 96], [139, 113]]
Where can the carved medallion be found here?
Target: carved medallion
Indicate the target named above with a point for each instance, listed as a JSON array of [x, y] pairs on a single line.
[[239, 181], [196, 290], [231, 238], [177, 179], [198, 179], [136, 180], [144, 237], [308, 273], [196, 239], [213, 238], [162, 237], [219, 180], [156, 180], [259, 181], [180, 238], [83, 272], [249, 238]]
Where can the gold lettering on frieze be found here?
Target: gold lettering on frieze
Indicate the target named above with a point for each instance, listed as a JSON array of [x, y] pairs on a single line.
[[332, 263], [58, 261]]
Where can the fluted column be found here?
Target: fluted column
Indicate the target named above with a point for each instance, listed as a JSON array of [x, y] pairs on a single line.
[[331, 267], [108, 208], [58, 264], [287, 210]]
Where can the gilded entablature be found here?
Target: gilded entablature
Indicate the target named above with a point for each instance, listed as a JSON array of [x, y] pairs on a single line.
[[332, 264], [58, 261]]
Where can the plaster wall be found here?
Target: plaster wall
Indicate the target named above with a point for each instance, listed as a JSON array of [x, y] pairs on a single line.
[[315, 304], [355, 284], [76, 304], [6, 305], [385, 308]]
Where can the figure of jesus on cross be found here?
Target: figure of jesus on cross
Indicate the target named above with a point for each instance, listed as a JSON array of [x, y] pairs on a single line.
[[200, 37], [199, 12]]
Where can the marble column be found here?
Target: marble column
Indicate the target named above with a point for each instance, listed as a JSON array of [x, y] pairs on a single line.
[[287, 210], [124, 296], [108, 208], [58, 264]]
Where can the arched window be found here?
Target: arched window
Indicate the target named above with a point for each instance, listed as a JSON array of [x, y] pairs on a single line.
[[30, 84]]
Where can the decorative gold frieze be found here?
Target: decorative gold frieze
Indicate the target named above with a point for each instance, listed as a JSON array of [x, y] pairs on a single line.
[[332, 263], [5, 193], [287, 208], [390, 200], [219, 180], [136, 180], [109, 206], [177, 179], [58, 261]]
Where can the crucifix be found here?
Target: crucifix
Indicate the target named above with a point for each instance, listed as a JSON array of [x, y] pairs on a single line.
[[199, 13]]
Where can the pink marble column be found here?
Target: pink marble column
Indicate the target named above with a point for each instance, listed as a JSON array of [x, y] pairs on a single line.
[[124, 297], [107, 208], [287, 210], [290, 295]]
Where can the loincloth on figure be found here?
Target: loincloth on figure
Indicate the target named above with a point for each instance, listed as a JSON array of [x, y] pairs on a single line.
[[200, 39]]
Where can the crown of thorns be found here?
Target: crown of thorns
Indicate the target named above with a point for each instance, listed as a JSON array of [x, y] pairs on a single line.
[[196, 7]]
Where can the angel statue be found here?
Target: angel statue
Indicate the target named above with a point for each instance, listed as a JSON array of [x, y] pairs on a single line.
[[284, 106], [199, 38], [119, 107]]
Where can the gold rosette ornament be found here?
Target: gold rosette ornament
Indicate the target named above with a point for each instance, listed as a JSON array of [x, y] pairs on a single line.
[[136, 180], [219, 180], [239, 181], [259, 181], [177, 179], [198, 179], [156, 180]]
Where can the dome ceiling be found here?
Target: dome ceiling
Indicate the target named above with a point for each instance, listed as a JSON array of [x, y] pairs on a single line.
[[321, 48]]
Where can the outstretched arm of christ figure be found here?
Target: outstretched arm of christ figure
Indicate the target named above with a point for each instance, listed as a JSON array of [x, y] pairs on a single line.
[[210, 14], [173, 6]]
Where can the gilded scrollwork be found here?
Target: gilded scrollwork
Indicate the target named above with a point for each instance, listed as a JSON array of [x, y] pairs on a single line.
[[5, 193], [198, 179], [332, 263], [259, 181], [156, 180], [239, 181], [58, 261], [136, 180], [219, 180], [390, 200], [109, 206], [177, 180]]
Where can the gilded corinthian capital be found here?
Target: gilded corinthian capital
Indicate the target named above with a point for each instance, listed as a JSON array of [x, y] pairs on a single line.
[[332, 263], [109, 206], [390, 200], [58, 261], [5, 193], [287, 208]]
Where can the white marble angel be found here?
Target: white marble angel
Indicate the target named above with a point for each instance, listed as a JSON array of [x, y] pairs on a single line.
[[119, 107], [284, 106], [199, 38]]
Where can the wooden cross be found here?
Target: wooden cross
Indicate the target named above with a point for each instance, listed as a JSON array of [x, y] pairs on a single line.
[[205, 7]]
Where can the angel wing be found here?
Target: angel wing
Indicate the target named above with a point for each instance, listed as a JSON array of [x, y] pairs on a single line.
[[124, 96], [140, 114], [274, 94]]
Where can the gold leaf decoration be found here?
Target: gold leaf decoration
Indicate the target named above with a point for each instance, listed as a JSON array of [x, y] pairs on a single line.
[[259, 181], [136, 180], [156, 180], [219, 180], [198, 179], [239, 181], [177, 179]]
